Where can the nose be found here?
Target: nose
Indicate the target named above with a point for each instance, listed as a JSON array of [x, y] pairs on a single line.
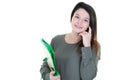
[[79, 22]]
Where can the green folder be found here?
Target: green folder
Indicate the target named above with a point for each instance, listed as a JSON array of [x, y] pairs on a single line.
[[52, 55]]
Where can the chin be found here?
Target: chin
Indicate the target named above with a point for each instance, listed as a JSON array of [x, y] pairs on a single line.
[[77, 31]]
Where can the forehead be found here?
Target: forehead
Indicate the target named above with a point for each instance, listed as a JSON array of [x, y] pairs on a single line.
[[82, 12]]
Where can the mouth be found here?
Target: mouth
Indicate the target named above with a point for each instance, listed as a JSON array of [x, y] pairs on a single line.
[[78, 27]]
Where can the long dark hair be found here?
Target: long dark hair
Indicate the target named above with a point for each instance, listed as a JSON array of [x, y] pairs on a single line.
[[93, 22]]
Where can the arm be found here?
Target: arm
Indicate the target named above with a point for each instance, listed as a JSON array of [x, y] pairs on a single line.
[[45, 70], [89, 62]]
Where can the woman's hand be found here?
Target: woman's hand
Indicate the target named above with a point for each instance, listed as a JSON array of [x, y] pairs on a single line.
[[86, 36], [52, 77]]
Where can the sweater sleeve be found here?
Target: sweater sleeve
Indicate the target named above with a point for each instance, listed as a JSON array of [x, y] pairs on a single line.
[[45, 70], [88, 69]]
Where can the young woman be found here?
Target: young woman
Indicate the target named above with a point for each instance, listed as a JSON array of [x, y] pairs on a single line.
[[77, 52]]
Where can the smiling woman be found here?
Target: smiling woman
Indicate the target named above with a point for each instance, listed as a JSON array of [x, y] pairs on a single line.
[[77, 52]]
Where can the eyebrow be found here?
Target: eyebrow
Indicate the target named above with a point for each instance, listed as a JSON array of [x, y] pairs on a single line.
[[76, 14]]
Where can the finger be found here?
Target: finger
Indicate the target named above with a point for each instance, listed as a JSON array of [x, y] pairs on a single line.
[[52, 72], [82, 34], [56, 78], [90, 30]]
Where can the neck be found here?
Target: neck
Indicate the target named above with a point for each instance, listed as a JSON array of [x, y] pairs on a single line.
[[75, 36]]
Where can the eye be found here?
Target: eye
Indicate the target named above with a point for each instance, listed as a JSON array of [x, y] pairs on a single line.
[[86, 20]]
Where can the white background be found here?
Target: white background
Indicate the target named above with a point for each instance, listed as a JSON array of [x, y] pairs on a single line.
[[24, 22]]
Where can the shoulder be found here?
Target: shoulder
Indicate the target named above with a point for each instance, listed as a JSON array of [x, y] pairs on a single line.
[[57, 40], [57, 37]]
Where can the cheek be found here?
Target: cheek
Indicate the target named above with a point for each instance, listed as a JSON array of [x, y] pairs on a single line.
[[85, 23], [86, 27], [73, 21]]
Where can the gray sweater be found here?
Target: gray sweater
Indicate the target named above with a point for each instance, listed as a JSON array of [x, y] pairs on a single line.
[[73, 62]]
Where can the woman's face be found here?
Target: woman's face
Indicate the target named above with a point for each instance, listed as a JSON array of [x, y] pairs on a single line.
[[80, 21]]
